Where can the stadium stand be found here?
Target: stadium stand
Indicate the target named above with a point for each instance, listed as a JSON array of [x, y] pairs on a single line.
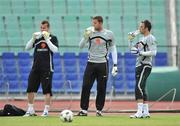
[[68, 19]]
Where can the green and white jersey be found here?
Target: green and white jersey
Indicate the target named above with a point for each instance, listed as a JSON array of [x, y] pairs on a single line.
[[99, 44], [147, 47]]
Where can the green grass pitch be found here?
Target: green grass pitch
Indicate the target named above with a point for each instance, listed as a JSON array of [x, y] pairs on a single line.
[[118, 120]]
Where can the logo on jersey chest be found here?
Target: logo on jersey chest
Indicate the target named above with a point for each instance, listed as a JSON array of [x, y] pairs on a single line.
[[98, 41], [43, 45]]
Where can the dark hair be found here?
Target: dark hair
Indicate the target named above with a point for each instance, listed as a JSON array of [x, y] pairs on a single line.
[[98, 18], [147, 24], [45, 22]]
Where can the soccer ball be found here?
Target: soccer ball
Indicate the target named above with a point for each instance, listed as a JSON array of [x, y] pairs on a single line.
[[134, 50], [66, 116]]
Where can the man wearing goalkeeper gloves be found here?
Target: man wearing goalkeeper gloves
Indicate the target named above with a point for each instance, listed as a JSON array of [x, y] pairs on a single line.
[[145, 49], [44, 44], [100, 42]]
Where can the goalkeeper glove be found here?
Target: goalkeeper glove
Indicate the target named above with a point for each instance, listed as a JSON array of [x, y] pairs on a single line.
[[45, 35], [114, 70], [132, 35], [87, 33], [36, 35]]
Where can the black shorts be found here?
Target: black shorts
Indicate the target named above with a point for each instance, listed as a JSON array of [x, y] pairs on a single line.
[[40, 77], [142, 73]]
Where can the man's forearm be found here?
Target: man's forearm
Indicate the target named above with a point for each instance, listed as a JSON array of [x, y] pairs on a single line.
[[82, 43], [29, 44], [51, 46]]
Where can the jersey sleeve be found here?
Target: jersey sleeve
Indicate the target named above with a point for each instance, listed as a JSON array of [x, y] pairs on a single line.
[[152, 44], [54, 40], [112, 43]]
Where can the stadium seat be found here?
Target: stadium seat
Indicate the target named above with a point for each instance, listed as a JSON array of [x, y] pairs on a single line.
[[102, 7], [118, 77], [58, 86], [75, 87], [2, 90], [144, 10], [24, 70], [10, 26], [57, 63], [45, 6], [24, 77], [115, 25], [58, 68], [82, 65], [12, 80], [116, 7], [24, 85], [9, 63], [130, 86], [1, 74], [24, 63], [130, 69], [119, 87], [5, 7], [130, 8], [129, 59], [83, 55], [57, 28], [58, 77], [73, 7], [38, 19], [71, 35], [8, 55], [82, 60], [84, 22], [14, 86], [87, 7], [32, 7], [81, 75], [69, 62], [10, 69], [3, 38], [70, 69], [56, 56], [130, 76], [131, 22], [12, 77], [161, 59], [24, 82], [71, 77], [23, 55], [82, 69], [69, 55], [18, 7], [60, 7]]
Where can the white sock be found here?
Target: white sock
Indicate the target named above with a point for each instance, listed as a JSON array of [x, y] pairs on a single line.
[[84, 111], [140, 108], [46, 108], [99, 111], [145, 109], [30, 108]]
